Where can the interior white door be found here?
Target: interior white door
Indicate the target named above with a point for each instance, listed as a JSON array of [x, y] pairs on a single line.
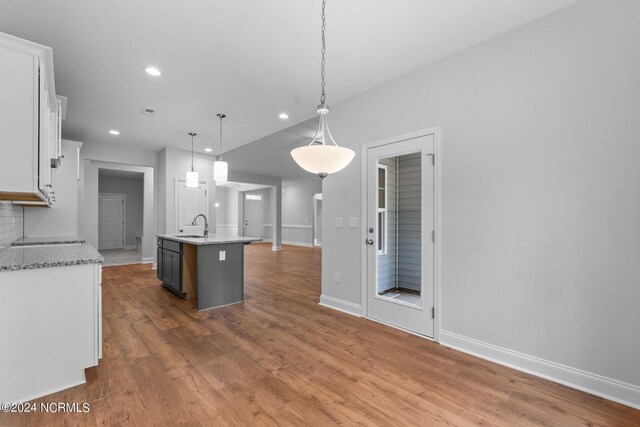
[[252, 223], [110, 221], [190, 202], [400, 223]]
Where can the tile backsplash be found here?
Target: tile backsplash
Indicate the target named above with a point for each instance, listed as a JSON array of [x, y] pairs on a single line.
[[11, 219]]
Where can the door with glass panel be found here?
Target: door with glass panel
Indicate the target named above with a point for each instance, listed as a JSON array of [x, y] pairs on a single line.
[[400, 224]]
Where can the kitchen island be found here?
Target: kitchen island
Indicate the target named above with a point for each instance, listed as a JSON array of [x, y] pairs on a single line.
[[209, 269]]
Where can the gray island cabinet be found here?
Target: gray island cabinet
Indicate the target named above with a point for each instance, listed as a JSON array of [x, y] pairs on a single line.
[[209, 269]]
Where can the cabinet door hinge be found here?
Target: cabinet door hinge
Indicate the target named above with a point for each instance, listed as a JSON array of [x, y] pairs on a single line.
[[433, 159], [433, 312], [433, 236]]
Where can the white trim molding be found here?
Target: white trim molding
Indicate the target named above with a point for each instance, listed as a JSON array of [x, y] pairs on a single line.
[[608, 388], [148, 260], [341, 305], [305, 244]]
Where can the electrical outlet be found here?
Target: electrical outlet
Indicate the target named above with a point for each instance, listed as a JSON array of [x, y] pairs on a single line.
[[338, 222], [353, 222], [222, 255], [336, 277]]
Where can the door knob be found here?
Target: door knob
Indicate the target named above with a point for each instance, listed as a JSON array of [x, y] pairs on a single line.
[[369, 241]]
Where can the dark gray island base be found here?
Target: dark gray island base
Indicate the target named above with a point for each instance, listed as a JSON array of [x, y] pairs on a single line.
[[209, 269]]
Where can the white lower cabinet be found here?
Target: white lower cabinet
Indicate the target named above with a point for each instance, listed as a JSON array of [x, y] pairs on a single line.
[[51, 328]]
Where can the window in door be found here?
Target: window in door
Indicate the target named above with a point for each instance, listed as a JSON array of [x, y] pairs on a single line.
[[382, 209]]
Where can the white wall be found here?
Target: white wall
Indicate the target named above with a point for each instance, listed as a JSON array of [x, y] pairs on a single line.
[[133, 190], [540, 201], [221, 210], [62, 218], [11, 218], [297, 210]]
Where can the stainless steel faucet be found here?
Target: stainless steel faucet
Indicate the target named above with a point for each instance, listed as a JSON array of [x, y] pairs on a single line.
[[206, 223]]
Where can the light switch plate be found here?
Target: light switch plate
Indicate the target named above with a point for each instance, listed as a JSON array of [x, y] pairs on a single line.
[[353, 222], [223, 255], [338, 222]]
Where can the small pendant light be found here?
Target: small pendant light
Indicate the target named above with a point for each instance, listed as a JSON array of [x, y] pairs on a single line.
[[220, 168], [192, 175], [319, 157]]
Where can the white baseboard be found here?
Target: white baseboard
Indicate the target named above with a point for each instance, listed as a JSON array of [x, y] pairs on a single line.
[[341, 305], [130, 247], [276, 248], [608, 388], [147, 260], [83, 380], [308, 245]]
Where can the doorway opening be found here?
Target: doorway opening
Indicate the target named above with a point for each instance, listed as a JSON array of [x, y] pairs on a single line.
[[317, 219], [120, 216]]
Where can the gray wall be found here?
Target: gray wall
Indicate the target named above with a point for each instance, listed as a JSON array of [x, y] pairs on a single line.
[[133, 190], [409, 221], [540, 201], [387, 263], [297, 210]]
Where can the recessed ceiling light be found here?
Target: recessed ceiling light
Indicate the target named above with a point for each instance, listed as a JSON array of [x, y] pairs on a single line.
[[114, 132], [283, 116], [153, 71], [208, 150]]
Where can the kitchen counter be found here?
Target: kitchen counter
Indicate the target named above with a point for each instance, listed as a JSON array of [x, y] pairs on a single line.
[[40, 241], [212, 239], [31, 257], [209, 269]]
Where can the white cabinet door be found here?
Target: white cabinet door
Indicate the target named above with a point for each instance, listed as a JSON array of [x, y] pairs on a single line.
[[189, 203]]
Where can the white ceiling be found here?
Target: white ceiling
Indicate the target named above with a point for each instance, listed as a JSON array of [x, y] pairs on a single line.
[[250, 59]]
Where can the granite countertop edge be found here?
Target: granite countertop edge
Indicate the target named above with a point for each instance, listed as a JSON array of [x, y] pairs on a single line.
[[209, 240], [30, 258], [43, 241]]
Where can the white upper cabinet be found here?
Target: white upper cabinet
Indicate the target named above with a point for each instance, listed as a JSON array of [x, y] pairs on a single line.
[[30, 120]]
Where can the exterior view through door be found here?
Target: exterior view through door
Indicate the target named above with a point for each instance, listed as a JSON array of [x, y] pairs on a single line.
[[400, 229], [110, 221]]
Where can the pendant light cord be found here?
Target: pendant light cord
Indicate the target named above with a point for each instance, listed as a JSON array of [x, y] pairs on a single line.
[[323, 96], [222, 116], [192, 135]]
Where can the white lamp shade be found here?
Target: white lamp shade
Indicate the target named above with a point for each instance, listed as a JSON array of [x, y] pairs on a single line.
[[192, 179], [220, 171], [319, 159]]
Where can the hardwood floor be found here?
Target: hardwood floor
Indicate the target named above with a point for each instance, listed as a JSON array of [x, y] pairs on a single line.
[[281, 359]]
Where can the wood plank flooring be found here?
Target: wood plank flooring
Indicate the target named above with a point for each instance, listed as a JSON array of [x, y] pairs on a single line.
[[281, 359]]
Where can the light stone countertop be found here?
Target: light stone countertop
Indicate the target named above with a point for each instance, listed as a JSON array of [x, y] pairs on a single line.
[[14, 258], [56, 240], [212, 239]]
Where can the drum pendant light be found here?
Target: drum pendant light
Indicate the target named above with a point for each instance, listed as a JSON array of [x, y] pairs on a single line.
[[192, 175], [220, 168], [323, 156]]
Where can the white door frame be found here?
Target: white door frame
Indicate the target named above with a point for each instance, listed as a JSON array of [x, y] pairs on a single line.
[[244, 211], [314, 240], [436, 132], [124, 219]]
